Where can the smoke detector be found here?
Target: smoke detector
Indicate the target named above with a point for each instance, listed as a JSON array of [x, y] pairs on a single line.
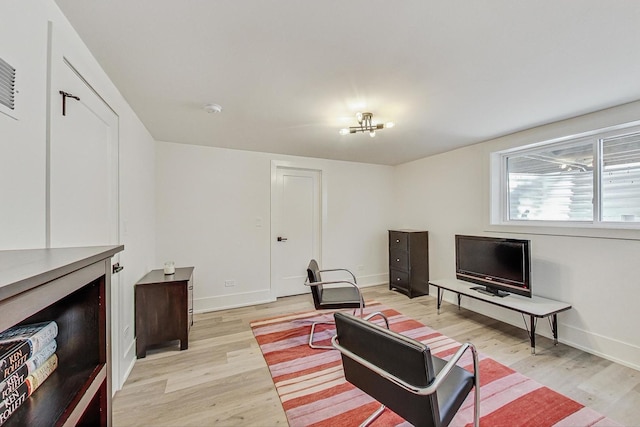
[[212, 108]]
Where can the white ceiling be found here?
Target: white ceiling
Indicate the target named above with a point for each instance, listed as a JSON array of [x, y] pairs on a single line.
[[290, 73]]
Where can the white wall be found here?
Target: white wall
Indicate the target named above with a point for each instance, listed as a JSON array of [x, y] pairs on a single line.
[[23, 174], [208, 200], [448, 194], [23, 29]]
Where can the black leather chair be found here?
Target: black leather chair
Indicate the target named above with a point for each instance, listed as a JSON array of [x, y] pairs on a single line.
[[401, 373], [334, 297]]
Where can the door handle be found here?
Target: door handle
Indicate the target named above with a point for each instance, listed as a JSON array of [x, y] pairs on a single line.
[[282, 239], [116, 268]]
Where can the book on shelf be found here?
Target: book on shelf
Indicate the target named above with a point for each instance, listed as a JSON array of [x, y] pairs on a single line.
[[37, 334], [16, 378], [35, 361], [17, 397], [37, 377], [19, 343], [12, 356]]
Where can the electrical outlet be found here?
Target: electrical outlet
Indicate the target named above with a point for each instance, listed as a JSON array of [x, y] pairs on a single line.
[[229, 283]]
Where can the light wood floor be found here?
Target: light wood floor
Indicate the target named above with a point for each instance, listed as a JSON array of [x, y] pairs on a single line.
[[223, 380]]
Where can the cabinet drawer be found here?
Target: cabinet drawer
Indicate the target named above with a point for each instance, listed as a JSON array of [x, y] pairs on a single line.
[[399, 260], [398, 241], [399, 279]]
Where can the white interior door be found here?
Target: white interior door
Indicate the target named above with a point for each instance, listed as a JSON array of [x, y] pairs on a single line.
[[296, 220], [83, 165], [83, 193]]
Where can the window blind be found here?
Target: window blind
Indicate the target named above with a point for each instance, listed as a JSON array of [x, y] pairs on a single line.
[[552, 183]]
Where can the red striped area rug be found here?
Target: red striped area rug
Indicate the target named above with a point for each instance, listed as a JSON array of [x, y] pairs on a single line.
[[313, 390]]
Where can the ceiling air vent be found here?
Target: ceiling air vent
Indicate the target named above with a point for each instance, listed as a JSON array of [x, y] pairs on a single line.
[[7, 88]]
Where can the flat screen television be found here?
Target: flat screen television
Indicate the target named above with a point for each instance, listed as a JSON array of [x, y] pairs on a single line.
[[500, 265]]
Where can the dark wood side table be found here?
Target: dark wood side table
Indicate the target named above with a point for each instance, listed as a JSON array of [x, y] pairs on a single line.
[[164, 308]]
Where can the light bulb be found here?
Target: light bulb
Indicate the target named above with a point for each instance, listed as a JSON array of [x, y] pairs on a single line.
[[212, 108], [372, 133], [389, 124], [359, 117], [344, 131]]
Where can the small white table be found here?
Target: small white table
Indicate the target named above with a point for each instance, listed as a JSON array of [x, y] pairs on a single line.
[[535, 307]]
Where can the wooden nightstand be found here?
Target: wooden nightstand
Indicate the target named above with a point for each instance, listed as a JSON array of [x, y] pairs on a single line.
[[164, 308]]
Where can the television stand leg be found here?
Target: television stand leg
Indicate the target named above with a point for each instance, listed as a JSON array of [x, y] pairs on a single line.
[[440, 295], [459, 299], [531, 330], [533, 335], [554, 328]]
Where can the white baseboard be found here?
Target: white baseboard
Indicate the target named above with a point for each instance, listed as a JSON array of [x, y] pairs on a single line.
[[245, 299], [602, 346], [373, 280], [130, 356], [224, 302]]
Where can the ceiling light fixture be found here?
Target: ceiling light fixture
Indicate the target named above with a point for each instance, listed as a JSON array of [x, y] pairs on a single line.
[[212, 108], [366, 124]]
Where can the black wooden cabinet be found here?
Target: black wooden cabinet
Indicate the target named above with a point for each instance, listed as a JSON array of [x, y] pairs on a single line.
[[409, 262]]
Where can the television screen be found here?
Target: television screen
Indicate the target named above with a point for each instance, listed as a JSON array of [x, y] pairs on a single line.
[[499, 264]]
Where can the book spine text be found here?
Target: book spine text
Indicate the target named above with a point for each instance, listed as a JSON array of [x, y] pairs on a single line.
[[10, 362]]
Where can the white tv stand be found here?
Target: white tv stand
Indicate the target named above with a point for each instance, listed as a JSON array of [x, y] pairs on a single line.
[[535, 307]]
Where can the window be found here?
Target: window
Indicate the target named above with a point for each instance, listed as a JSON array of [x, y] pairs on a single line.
[[620, 182], [586, 180]]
